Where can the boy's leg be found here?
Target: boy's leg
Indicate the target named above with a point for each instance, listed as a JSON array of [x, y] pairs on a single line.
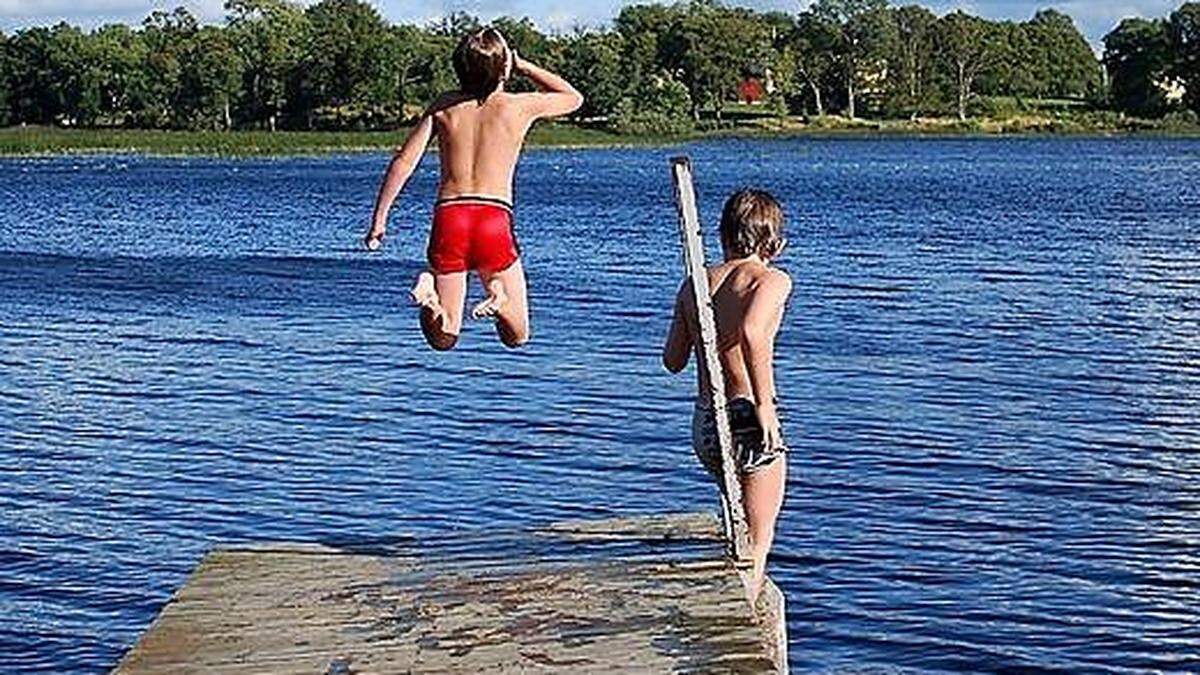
[[762, 495], [441, 297], [508, 303]]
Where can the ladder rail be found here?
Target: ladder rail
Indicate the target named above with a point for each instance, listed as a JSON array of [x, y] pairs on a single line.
[[708, 358]]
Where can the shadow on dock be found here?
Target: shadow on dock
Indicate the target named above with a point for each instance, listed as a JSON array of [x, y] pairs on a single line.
[[628, 595]]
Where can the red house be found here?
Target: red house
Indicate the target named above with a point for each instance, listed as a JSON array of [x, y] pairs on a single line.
[[751, 90]]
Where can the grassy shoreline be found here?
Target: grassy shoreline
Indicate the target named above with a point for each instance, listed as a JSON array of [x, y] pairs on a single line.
[[50, 141], [43, 141]]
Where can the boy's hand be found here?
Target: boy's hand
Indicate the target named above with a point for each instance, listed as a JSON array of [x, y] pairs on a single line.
[[519, 65], [772, 431], [773, 438], [374, 239]]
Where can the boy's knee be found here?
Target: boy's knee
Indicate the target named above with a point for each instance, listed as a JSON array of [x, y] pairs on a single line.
[[514, 339], [516, 342], [443, 342]]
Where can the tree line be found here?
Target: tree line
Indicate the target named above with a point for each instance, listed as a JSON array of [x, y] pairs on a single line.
[[1151, 61], [338, 64]]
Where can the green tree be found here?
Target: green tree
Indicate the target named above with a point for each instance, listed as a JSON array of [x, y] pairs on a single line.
[[647, 51], [30, 79], [866, 34], [210, 79], [661, 109], [1060, 62], [338, 63], [651, 69], [62, 75], [5, 74], [74, 80], [812, 49], [648, 29], [166, 37], [713, 46], [524, 36], [343, 69], [1184, 30], [767, 57], [1137, 54], [968, 46], [402, 60], [51, 77], [455, 25], [117, 54], [913, 60], [268, 36], [74, 74], [593, 63], [428, 56], [1009, 71]]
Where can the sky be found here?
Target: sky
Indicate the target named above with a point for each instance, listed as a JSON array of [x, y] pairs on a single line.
[[1094, 18]]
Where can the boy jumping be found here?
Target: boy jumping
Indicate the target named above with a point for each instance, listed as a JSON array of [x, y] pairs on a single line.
[[480, 129], [748, 297]]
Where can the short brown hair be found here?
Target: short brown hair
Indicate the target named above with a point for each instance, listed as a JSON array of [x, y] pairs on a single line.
[[481, 62], [752, 223]]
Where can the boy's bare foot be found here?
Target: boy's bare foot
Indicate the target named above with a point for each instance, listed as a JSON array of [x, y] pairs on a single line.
[[424, 294], [754, 588], [756, 579], [495, 301]]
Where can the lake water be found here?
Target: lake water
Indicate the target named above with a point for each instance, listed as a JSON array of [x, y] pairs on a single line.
[[990, 371]]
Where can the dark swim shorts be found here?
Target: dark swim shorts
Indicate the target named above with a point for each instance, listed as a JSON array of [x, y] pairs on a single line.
[[750, 452]]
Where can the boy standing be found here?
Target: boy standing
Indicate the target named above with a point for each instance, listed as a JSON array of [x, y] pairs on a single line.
[[480, 129], [748, 297]]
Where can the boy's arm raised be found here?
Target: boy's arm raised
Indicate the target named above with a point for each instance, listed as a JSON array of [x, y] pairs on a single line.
[[399, 170], [556, 97]]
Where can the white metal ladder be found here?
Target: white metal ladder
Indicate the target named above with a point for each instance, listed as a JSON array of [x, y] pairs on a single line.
[[733, 514]]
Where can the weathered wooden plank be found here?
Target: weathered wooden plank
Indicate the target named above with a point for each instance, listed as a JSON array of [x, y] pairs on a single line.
[[310, 609], [676, 526]]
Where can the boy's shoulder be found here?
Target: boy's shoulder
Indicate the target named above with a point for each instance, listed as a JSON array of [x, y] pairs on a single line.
[[779, 276], [453, 98], [448, 99], [774, 281], [759, 275]]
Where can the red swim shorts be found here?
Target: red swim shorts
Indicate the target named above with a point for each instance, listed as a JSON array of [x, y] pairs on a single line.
[[472, 233]]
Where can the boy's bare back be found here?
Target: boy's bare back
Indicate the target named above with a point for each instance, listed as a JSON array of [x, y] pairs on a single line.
[[748, 298], [479, 142], [747, 305]]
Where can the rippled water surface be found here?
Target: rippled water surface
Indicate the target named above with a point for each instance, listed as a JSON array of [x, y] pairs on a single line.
[[990, 368]]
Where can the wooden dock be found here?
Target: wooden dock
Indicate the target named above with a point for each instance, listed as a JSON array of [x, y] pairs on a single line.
[[638, 595]]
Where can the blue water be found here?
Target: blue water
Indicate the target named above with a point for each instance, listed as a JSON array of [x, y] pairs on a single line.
[[990, 370]]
